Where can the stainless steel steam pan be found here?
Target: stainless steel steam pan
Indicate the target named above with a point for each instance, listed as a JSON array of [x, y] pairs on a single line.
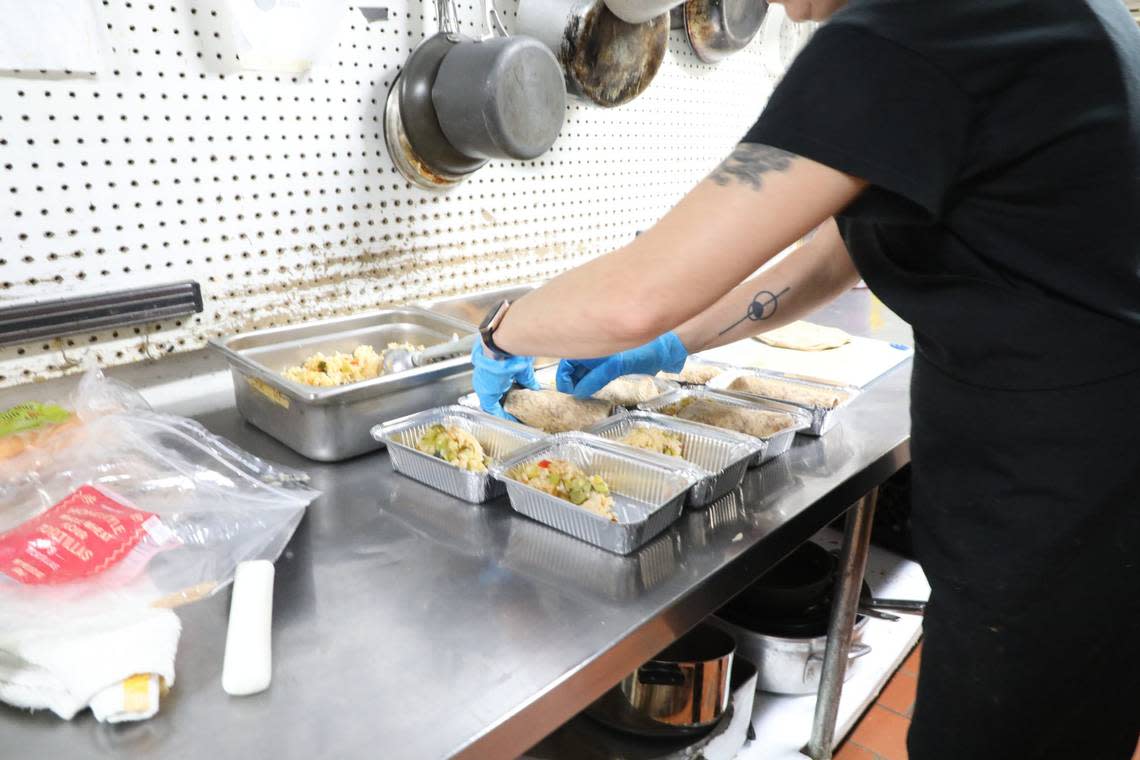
[[330, 424]]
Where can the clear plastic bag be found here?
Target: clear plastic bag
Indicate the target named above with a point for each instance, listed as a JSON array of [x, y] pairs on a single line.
[[120, 505]]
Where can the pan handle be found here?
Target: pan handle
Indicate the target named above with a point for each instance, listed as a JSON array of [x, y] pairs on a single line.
[[448, 16], [857, 651], [492, 21], [909, 606], [877, 614], [661, 674], [816, 659]]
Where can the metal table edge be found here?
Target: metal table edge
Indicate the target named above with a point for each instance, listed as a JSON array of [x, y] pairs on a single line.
[[518, 731]]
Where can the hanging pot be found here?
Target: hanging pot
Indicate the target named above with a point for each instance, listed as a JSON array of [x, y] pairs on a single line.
[[459, 102], [500, 97], [718, 28], [415, 141], [604, 59]]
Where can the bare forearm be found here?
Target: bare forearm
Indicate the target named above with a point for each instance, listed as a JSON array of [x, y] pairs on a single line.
[[633, 294], [755, 204], [790, 290], [582, 313]]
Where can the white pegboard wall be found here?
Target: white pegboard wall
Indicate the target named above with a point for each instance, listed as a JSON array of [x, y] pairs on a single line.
[[276, 192]]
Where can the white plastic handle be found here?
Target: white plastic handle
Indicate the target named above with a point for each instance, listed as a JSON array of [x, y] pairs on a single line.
[[248, 665]]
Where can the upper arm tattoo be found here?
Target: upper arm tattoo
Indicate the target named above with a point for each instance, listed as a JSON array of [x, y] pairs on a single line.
[[748, 164]]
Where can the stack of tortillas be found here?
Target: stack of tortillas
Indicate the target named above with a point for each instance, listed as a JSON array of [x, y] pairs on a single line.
[[805, 336]]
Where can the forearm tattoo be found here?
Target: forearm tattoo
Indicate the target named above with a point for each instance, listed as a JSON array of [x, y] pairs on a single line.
[[763, 306], [749, 163]]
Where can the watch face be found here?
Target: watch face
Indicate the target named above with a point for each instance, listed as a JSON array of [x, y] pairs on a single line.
[[490, 324], [494, 316]]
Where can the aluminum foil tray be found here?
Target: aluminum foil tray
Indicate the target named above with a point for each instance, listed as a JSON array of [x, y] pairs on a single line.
[[823, 419], [649, 491], [722, 455], [774, 445], [499, 439]]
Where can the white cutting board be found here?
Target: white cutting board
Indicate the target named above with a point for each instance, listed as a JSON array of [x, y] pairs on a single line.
[[856, 363]]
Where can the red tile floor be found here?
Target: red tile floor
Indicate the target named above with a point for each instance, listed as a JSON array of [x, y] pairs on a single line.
[[881, 733]]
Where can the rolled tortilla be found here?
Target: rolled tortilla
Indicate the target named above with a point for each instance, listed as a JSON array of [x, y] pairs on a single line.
[[757, 422], [782, 390], [805, 336], [630, 390], [694, 373], [555, 412]]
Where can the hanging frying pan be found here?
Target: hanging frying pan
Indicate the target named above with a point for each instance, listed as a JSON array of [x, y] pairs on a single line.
[[718, 28], [604, 59], [459, 102], [415, 141]]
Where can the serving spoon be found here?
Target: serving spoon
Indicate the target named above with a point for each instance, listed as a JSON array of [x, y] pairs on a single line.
[[402, 360]]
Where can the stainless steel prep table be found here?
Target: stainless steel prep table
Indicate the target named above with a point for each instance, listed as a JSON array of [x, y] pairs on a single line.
[[408, 624]]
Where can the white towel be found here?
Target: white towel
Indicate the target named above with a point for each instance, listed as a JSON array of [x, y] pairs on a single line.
[[63, 661]]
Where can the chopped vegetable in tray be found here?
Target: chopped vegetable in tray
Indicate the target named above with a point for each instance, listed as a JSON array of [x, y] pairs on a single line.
[[564, 480], [654, 439], [675, 409], [454, 445], [341, 369]]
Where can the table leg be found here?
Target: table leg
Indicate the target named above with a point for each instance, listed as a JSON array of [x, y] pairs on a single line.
[[849, 584]]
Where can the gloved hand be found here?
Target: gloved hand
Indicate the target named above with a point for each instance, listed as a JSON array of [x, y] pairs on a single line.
[[494, 377], [585, 377]]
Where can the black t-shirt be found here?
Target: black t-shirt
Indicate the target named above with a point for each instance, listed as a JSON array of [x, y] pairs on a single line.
[[1001, 139]]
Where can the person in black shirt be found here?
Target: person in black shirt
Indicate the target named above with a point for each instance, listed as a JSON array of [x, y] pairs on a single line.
[[977, 163]]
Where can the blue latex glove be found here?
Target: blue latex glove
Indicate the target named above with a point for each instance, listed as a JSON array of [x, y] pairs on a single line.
[[585, 377], [494, 377]]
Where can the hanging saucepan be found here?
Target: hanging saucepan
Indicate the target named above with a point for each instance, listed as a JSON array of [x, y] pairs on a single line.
[[459, 102], [412, 133], [718, 28], [605, 59]]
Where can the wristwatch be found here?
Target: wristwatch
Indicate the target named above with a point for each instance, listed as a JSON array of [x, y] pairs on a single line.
[[487, 329]]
